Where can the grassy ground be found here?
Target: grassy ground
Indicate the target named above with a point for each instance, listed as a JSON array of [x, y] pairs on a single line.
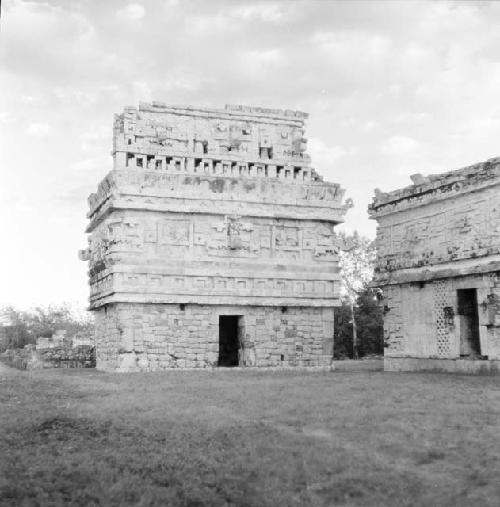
[[248, 438]]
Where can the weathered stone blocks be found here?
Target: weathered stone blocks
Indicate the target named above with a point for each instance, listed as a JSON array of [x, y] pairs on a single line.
[[196, 344], [212, 228], [438, 259]]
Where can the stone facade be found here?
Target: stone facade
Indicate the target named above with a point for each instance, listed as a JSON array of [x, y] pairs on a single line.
[[160, 336], [213, 236], [438, 263]]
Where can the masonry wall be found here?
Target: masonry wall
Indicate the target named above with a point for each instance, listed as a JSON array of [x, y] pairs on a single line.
[[62, 356], [133, 337], [438, 244], [421, 318]]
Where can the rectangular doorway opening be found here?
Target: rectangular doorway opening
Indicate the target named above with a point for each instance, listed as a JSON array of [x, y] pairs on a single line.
[[229, 342], [469, 323]]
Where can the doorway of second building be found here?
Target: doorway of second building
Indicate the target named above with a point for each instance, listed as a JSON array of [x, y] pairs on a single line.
[[469, 323], [228, 340]]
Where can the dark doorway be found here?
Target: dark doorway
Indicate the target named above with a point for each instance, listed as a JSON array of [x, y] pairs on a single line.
[[469, 323], [228, 340]]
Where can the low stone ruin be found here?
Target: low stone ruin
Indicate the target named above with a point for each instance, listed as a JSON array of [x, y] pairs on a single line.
[[58, 351]]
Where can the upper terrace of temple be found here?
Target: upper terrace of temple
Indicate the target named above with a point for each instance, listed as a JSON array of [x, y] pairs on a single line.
[[234, 141]]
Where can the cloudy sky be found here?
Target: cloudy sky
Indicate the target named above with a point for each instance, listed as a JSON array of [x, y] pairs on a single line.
[[392, 88]]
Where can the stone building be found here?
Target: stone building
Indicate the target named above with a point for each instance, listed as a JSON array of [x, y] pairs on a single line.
[[212, 242], [438, 264]]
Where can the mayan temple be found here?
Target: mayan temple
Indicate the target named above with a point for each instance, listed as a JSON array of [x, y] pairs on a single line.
[[212, 242], [438, 263]]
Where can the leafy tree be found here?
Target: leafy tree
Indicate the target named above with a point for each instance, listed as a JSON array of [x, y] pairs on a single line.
[[368, 321], [342, 335], [370, 324], [358, 322], [25, 326], [357, 260]]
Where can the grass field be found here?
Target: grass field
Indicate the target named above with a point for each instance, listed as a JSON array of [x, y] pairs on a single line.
[[248, 438]]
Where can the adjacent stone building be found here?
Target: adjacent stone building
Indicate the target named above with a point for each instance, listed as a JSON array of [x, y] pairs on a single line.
[[438, 264], [212, 242]]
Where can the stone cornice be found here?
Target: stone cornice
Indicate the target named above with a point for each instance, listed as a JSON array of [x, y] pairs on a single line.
[[437, 188], [202, 268], [291, 212], [229, 299], [438, 271], [148, 190], [230, 112]]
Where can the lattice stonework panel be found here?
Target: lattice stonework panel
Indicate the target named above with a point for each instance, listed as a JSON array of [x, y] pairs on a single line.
[[441, 301]]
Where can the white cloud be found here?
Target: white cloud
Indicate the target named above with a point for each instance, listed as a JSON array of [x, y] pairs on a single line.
[[398, 145], [17, 202], [70, 95], [264, 12], [89, 165], [213, 25], [245, 18], [323, 155], [28, 99], [23, 206], [6, 117], [409, 117], [257, 62], [182, 80], [98, 136], [370, 125], [142, 91], [354, 46], [38, 129], [132, 12]]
